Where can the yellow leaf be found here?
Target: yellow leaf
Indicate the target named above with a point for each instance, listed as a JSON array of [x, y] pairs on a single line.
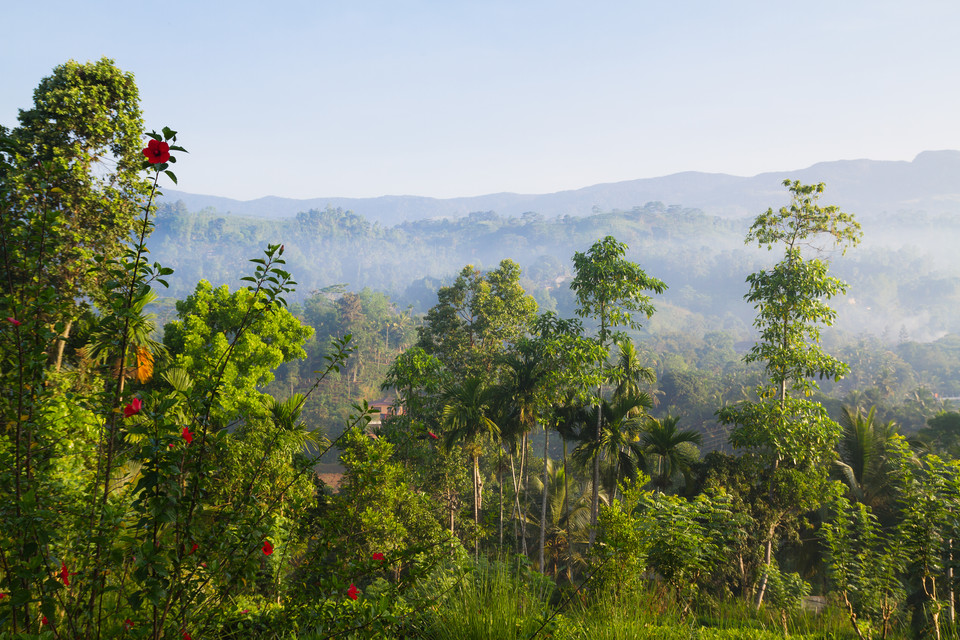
[[144, 365]]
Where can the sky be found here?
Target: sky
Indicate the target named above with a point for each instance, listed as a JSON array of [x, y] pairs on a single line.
[[446, 98]]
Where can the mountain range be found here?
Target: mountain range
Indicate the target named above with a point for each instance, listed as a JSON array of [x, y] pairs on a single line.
[[930, 183]]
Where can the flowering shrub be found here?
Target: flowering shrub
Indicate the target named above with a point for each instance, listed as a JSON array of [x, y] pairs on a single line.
[[139, 532]]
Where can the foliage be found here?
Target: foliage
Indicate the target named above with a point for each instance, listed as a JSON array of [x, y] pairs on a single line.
[[476, 318], [609, 289], [864, 564], [213, 323]]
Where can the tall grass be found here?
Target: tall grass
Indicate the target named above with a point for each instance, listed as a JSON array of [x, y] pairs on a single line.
[[500, 601]]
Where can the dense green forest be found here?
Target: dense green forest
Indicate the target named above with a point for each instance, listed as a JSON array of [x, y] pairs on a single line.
[[631, 424]]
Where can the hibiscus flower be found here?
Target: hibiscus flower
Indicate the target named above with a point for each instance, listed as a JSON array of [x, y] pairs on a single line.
[[157, 152], [133, 408]]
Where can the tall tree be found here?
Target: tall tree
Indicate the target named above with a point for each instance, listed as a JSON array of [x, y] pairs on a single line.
[[467, 410], [476, 318], [84, 131], [791, 303], [610, 289]]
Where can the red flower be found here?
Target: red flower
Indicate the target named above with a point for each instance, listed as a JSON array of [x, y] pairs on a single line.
[[187, 435], [186, 636], [378, 556], [193, 548], [352, 591], [64, 573], [127, 624], [44, 621], [433, 435], [157, 151], [244, 612], [267, 548], [2, 596], [14, 321], [133, 408]]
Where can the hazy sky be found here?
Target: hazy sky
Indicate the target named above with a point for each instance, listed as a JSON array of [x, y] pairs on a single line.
[[445, 98]]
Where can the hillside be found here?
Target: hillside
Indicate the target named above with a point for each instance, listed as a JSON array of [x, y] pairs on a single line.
[[930, 183]]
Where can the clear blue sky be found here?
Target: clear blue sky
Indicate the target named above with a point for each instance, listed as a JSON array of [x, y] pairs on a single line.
[[446, 98]]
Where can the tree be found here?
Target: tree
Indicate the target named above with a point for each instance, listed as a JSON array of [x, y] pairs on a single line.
[[84, 132], [619, 443], [205, 334], [609, 289], [629, 373], [466, 417], [790, 300], [863, 461], [476, 317], [673, 447]]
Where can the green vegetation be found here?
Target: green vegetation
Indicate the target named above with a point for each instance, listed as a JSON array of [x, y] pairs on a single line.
[[176, 489]]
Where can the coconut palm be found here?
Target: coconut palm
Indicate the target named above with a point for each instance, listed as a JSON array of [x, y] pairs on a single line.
[[862, 462], [674, 450]]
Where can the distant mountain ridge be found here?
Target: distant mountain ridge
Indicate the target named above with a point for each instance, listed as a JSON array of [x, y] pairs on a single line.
[[930, 183]]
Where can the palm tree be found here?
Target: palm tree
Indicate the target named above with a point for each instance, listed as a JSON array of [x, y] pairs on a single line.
[[862, 461], [628, 374], [619, 447], [137, 362], [672, 447], [467, 408], [568, 516], [520, 393]]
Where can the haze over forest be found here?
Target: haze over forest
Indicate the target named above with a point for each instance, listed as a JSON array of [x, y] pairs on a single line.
[[686, 228]]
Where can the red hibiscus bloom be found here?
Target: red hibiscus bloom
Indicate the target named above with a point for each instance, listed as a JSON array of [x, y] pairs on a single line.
[[2, 596], [133, 408], [352, 591], [378, 556], [193, 548], [64, 574], [187, 435], [14, 321], [267, 548], [44, 621], [433, 435], [127, 624], [157, 151], [186, 636]]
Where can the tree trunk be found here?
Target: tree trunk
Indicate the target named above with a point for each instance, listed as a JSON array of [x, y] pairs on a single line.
[[476, 504], [500, 475], [767, 559], [516, 505], [61, 344], [546, 488], [566, 508], [951, 609], [523, 489], [595, 492]]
